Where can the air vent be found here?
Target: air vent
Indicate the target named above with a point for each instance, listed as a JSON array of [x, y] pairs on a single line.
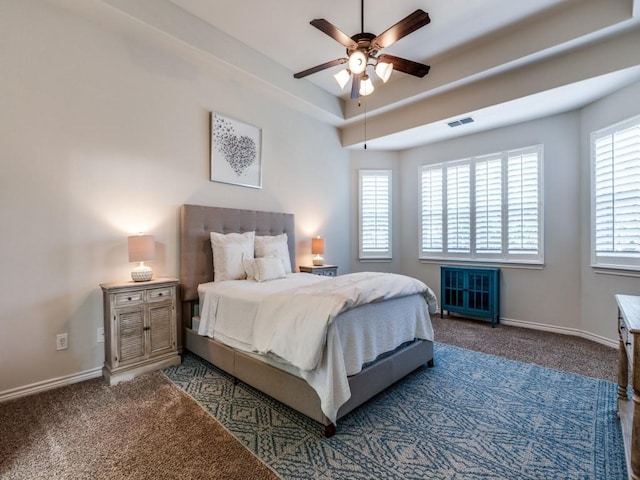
[[462, 121]]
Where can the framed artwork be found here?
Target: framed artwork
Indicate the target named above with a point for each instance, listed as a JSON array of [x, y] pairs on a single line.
[[235, 152]]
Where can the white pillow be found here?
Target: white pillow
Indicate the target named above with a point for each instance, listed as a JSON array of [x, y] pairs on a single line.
[[268, 268], [228, 251], [249, 267], [274, 246]]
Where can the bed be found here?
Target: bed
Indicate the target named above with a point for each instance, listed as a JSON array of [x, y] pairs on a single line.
[[196, 269]]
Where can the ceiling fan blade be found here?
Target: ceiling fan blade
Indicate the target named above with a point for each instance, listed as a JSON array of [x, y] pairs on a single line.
[[334, 32], [355, 86], [317, 68], [404, 27], [406, 66]]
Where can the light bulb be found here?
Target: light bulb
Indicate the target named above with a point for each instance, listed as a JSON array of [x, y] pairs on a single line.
[[357, 62], [383, 70]]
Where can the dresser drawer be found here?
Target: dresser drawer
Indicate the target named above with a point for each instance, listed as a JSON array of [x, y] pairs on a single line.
[[156, 294], [129, 298]]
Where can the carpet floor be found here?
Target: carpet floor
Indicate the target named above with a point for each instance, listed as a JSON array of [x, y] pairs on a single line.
[[142, 429], [148, 428]]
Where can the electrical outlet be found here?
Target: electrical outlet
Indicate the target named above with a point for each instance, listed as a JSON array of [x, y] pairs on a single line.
[[100, 335], [62, 341]]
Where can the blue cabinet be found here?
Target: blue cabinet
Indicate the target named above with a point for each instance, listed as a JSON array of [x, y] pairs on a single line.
[[471, 291]]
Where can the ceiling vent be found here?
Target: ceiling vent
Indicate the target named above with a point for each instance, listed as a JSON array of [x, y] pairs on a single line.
[[462, 121]]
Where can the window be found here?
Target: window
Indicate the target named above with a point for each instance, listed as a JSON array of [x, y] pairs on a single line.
[[485, 208], [615, 196], [375, 214]]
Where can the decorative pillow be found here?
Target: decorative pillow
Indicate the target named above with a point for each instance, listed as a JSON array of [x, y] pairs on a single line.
[[249, 265], [274, 246], [228, 251], [268, 268]]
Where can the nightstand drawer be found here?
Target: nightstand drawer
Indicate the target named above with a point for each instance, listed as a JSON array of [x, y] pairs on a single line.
[[128, 298], [159, 294]]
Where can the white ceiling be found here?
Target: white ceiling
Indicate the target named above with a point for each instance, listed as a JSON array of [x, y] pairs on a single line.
[[542, 55]]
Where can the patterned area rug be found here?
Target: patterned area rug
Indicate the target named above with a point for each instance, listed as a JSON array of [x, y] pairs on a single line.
[[472, 416]]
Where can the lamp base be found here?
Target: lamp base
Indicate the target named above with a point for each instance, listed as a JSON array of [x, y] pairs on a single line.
[[141, 273], [318, 261]]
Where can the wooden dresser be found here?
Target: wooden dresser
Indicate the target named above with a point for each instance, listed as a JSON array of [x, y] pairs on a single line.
[[629, 358]]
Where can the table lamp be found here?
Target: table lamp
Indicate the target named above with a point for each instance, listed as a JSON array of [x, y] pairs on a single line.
[[317, 249], [142, 248]]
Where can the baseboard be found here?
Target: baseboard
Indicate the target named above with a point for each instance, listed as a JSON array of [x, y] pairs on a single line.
[[563, 330], [50, 384]]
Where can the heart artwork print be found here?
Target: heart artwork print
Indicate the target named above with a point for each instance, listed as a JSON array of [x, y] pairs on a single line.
[[235, 152]]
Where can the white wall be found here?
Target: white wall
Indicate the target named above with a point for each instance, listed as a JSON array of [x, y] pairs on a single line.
[[598, 308], [567, 295], [106, 133], [546, 296], [549, 296]]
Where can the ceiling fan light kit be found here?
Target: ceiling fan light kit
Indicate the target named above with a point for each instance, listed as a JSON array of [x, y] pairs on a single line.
[[364, 47]]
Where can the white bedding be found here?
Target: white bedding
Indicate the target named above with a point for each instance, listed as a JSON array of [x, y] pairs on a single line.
[[230, 310]]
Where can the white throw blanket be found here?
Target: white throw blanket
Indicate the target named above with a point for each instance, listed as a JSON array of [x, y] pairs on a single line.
[[293, 324]]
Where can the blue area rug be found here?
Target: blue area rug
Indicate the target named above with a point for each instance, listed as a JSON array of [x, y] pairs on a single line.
[[472, 416]]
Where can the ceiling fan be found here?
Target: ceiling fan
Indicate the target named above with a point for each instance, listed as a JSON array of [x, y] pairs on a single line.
[[364, 47]]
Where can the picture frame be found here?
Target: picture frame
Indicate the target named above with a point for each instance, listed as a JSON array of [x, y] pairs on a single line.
[[236, 149]]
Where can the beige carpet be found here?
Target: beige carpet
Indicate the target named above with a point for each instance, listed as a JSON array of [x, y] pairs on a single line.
[[143, 429], [149, 429]]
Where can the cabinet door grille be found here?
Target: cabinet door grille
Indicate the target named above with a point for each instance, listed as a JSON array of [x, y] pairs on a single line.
[[131, 326], [161, 328]]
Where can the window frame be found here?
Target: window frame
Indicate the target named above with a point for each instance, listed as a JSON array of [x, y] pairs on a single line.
[[364, 254], [612, 260], [503, 257]]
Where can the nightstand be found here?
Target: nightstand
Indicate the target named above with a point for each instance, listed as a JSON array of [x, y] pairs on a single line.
[[139, 327], [326, 270]]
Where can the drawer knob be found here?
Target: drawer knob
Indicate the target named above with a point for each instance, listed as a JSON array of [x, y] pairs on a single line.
[[160, 294], [129, 298]]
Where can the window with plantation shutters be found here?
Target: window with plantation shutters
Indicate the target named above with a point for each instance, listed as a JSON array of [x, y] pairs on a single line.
[[484, 208], [615, 203], [375, 214]]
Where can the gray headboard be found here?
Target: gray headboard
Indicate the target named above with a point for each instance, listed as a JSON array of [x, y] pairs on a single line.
[[196, 258]]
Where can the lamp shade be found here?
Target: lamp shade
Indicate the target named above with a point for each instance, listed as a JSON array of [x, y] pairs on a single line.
[[141, 248], [342, 77], [317, 246], [366, 86], [383, 70]]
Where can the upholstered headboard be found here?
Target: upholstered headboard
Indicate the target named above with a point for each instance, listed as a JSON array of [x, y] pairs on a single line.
[[196, 258]]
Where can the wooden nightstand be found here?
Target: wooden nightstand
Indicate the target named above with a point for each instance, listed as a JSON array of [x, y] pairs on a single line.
[[326, 270], [139, 327]]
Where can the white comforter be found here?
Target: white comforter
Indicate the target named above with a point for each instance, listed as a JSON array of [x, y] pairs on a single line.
[[244, 314], [293, 324]]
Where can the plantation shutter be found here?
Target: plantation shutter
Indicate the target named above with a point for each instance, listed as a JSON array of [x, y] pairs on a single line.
[[489, 205], [616, 195], [486, 208], [523, 231], [375, 214], [431, 210], [459, 208]]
